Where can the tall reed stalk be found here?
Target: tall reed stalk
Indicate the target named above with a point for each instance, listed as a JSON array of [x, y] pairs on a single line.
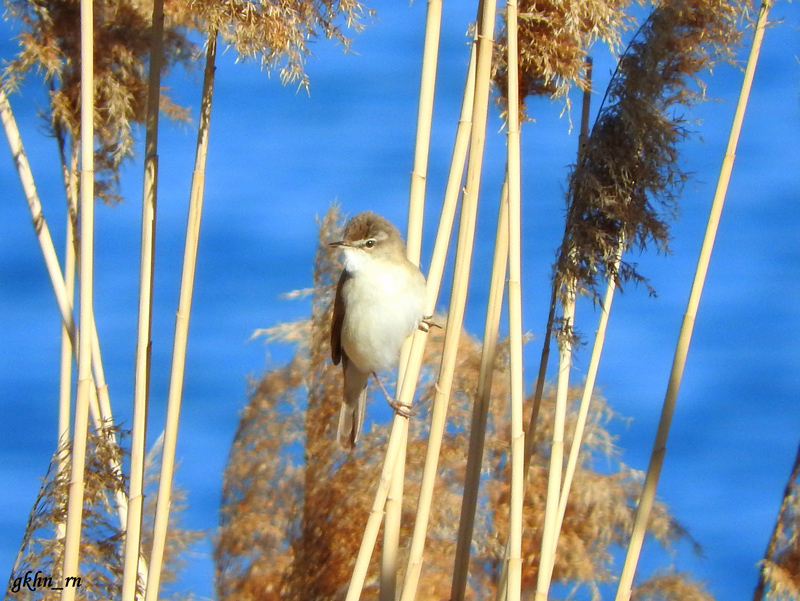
[[480, 407], [687, 326], [586, 397], [596, 349], [72, 538], [65, 378], [135, 566], [163, 501], [416, 209], [419, 173], [549, 534], [458, 297], [515, 311]]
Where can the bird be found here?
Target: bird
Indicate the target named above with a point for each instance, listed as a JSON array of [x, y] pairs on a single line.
[[380, 301]]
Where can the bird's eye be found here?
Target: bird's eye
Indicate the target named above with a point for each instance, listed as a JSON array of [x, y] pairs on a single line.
[[370, 243]]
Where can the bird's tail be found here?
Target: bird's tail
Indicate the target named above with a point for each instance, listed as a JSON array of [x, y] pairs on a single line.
[[351, 415]]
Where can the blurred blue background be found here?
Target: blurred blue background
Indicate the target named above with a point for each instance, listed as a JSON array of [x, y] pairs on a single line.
[[279, 157]]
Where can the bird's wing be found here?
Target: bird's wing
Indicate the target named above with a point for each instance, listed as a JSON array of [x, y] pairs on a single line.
[[337, 352]]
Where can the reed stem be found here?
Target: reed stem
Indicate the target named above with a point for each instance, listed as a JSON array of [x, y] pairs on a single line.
[[458, 296], [515, 312], [134, 566], [163, 500], [480, 408], [687, 326], [72, 539], [549, 533]]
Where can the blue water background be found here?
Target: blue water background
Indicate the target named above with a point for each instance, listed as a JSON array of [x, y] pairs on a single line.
[[278, 157]]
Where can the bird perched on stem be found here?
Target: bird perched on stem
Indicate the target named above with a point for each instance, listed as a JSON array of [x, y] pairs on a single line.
[[380, 301]]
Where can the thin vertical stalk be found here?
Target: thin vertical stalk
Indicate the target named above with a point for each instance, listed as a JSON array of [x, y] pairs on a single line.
[[515, 312], [687, 326], [544, 359], [163, 500], [455, 317], [72, 538], [65, 379], [419, 174], [416, 209], [411, 371], [588, 390], [597, 347], [134, 565], [530, 432], [453, 186], [549, 534], [480, 408], [391, 527], [69, 171]]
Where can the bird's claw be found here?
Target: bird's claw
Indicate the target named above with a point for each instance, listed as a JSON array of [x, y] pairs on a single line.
[[401, 409], [426, 323]]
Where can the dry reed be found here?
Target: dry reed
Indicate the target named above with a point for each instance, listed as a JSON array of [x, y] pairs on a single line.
[[135, 566], [553, 39], [725, 28], [74, 521], [455, 317], [480, 407], [182, 329], [513, 173], [416, 207]]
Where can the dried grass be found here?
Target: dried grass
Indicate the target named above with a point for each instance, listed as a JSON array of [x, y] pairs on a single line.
[[294, 506], [781, 567], [554, 42], [49, 43], [627, 182], [278, 32], [102, 541]]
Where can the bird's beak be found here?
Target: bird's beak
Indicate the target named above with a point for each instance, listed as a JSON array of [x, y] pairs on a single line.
[[338, 244]]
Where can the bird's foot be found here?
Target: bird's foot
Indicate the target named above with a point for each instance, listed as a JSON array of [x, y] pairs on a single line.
[[426, 323], [401, 409]]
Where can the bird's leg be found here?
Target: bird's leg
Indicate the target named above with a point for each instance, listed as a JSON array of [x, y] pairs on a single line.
[[426, 323], [401, 409]]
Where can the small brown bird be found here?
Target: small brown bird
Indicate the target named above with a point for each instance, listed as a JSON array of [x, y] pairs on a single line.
[[380, 301]]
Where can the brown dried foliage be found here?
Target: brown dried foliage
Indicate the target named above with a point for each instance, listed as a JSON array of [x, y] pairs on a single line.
[[102, 540], [670, 587], [554, 39], [626, 184], [49, 43], [781, 567], [295, 505], [279, 32]]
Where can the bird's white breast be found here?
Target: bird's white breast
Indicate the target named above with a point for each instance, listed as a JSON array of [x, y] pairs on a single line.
[[384, 302]]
